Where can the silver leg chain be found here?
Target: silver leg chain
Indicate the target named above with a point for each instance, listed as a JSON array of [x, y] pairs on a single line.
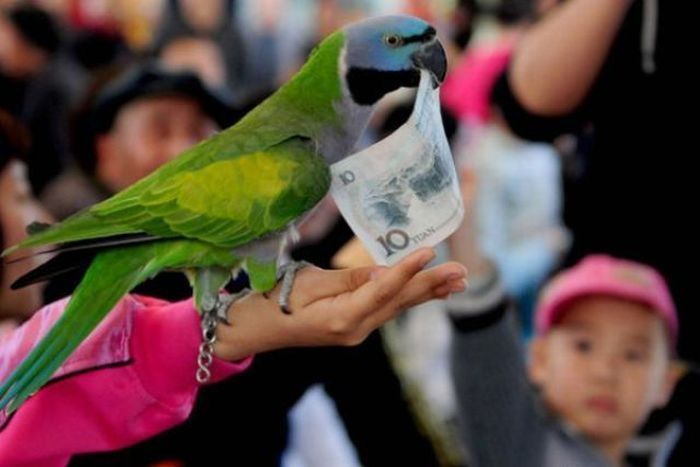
[[206, 348], [209, 321]]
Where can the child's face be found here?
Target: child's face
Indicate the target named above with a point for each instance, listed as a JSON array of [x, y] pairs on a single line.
[[604, 367]]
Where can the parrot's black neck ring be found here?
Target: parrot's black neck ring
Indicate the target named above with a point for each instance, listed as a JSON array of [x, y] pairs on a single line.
[[368, 85]]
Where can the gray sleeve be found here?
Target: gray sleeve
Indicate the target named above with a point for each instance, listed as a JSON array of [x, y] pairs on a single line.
[[500, 423]]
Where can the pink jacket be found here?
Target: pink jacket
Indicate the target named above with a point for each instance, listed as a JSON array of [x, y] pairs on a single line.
[[131, 379]]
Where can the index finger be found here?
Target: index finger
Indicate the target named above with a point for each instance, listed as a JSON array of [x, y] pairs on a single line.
[[380, 290]]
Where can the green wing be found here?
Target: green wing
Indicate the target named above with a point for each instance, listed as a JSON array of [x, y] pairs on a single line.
[[227, 202], [276, 137]]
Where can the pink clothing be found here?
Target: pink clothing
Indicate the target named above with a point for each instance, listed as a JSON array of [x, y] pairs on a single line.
[[132, 378], [467, 89], [611, 277]]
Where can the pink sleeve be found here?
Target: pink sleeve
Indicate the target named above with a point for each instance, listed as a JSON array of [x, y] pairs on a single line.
[[131, 379]]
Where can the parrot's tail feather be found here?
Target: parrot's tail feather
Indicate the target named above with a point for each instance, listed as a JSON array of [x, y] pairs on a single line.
[[80, 227], [110, 276], [72, 256], [56, 266], [106, 242], [92, 244]]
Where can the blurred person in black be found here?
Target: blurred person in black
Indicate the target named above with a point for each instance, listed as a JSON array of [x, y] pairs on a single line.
[[37, 86], [617, 67]]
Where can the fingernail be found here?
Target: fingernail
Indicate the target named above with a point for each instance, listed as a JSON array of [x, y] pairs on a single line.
[[458, 286]]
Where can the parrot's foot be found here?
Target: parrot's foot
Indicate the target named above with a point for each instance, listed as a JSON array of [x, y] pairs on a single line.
[[287, 273], [224, 302]]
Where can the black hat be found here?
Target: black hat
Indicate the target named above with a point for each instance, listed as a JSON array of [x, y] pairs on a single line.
[[110, 93], [152, 80], [36, 26]]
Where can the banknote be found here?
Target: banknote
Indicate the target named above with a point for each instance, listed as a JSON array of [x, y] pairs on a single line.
[[402, 192]]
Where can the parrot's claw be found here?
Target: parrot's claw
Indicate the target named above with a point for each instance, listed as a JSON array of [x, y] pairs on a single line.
[[286, 273], [224, 302]]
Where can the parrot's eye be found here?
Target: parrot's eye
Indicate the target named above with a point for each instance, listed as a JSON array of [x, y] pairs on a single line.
[[393, 40]]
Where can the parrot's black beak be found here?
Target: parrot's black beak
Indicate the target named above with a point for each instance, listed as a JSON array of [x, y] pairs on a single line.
[[432, 57]]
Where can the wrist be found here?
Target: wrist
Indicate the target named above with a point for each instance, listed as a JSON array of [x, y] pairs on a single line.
[[235, 340], [483, 276], [485, 290], [255, 324]]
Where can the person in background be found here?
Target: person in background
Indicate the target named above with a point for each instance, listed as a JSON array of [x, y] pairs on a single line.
[[215, 20], [17, 209], [519, 207], [615, 67], [600, 362], [129, 125], [200, 55], [37, 86]]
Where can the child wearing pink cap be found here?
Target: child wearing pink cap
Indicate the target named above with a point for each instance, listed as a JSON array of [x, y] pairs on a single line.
[[600, 362]]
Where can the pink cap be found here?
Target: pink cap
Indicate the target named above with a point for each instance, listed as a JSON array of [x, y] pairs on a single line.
[[605, 275]]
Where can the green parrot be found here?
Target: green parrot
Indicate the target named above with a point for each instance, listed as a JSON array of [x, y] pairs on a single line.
[[229, 202]]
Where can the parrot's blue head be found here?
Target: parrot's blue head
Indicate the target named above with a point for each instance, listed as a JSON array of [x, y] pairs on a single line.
[[385, 53]]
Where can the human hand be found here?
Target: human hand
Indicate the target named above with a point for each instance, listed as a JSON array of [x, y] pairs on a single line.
[[335, 307]]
